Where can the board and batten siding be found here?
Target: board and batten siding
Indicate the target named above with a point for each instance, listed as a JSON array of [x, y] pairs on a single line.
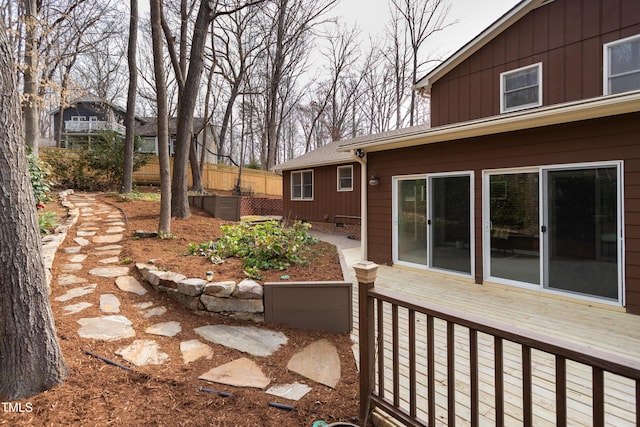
[[597, 140], [567, 37], [327, 200]]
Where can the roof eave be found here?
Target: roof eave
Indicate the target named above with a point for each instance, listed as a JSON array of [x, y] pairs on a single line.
[[544, 116], [284, 167]]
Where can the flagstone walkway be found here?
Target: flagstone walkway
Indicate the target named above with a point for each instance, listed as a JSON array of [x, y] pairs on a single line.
[[98, 229]]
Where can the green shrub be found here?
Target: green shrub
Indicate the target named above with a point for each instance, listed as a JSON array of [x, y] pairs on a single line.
[[97, 166], [264, 246], [47, 222], [39, 172]]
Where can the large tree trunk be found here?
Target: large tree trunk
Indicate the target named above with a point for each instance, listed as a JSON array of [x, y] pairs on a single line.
[[164, 225], [184, 133], [127, 175], [30, 356], [30, 106]]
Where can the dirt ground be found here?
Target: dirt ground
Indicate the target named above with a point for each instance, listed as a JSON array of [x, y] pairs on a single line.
[[96, 393]]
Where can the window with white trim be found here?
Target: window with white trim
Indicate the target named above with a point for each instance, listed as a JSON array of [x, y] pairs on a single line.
[[622, 65], [521, 88], [345, 178], [302, 185]]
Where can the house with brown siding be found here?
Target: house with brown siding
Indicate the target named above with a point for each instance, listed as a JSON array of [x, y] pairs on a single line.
[[529, 176], [322, 185]]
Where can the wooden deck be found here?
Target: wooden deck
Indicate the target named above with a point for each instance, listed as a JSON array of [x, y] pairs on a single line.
[[584, 324]]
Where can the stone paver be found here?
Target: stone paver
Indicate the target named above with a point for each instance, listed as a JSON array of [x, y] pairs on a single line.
[[71, 267], [70, 279], [165, 329], [109, 271], [111, 260], [114, 238], [108, 248], [295, 391], [81, 241], [143, 305], [117, 229], [76, 292], [76, 308], [193, 350], [109, 303], [239, 373], [318, 361], [77, 258], [143, 352], [156, 311], [80, 233], [249, 339], [130, 284], [106, 328], [73, 249]]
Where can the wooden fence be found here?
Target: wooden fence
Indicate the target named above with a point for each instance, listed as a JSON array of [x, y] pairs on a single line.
[[219, 177], [425, 365]]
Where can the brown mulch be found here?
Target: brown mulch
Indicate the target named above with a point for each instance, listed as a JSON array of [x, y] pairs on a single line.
[[96, 393]]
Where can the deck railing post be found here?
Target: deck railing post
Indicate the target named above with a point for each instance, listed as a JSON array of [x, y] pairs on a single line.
[[366, 273]]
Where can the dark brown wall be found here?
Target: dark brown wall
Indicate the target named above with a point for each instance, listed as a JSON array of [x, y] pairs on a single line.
[[567, 36], [327, 201], [594, 140]]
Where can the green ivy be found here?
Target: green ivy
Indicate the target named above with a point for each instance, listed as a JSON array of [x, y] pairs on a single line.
[[263, 246], [47, 222]]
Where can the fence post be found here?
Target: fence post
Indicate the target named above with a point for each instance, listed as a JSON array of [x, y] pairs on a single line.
[[366, 273]]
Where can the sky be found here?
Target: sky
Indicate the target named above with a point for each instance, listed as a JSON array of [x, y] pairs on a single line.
[[473, 17]]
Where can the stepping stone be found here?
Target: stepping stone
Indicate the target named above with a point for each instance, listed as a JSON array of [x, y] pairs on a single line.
[[80, 233], [85, 229], [249, 339], [71, 267], [112, 252], [117, 229], [130, 284], [73, 249], [239, 373], [319, 361], [113, 238], [165, 329], [77, 258], [106, 328], [81, 241], [88, 224], [108, 247], [109, 303], [143, 352], [76, 308], [157, 311], [193, 350], [295, 391], [142, 305], [109, 271], [70, 279], [76, 292], [111, 260]]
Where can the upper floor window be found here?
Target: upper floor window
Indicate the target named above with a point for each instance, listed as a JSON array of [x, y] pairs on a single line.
[[302, 185], [345, 178], [521, 88], [78, 118], [622, 65]]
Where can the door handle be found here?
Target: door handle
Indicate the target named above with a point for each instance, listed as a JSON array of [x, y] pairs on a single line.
[[543, 228]]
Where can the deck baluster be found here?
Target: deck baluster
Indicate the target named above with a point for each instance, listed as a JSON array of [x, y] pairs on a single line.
[[451, 374], [561, 391], [499, 380]]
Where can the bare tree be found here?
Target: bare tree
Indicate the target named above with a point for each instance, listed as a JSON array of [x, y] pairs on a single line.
[[31, 360], [422, 19], [127, 174], [30, 98]]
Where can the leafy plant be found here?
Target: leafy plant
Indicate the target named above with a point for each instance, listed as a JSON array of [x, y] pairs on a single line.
[[264, 246], [39, 172], [47, 222]]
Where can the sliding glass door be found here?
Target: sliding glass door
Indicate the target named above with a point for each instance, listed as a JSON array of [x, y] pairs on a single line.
[[555, 228], [432, 222]]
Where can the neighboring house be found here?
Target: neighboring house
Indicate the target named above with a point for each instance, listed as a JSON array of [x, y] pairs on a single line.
[[85, 118], [530, 174], [322, 185], [202, 132]]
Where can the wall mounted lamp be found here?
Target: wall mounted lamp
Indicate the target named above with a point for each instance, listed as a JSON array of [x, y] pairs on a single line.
[[373, 181]]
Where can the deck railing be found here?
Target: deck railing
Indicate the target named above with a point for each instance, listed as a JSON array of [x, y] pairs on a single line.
[[92, 126], [425, 365]]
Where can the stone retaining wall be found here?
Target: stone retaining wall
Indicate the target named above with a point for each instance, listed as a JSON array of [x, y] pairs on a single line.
[[239, 300]]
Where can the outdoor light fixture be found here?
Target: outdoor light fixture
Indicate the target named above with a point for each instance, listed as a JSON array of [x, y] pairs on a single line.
[[374, 180], [209, 276]]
